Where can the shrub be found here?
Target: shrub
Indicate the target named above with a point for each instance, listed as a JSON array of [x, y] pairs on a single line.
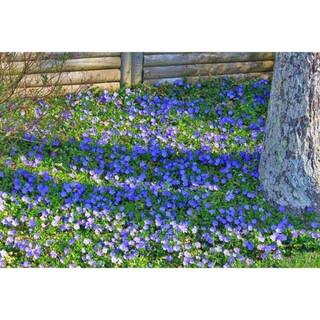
[[22, 107]]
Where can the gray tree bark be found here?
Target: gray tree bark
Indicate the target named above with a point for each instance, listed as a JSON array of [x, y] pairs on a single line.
[[290, 162]]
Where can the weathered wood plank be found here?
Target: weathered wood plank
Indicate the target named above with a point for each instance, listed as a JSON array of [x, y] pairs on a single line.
[[81, 64], [111, 86], [207, 69], [261, 75], [211, 57], [76, 55], [65, 89], [160, 52], [20, 56], [86, 64], [67, 78], [137, 67], [126, 63]]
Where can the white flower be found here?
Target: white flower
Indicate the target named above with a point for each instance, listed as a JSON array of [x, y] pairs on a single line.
[[3, 253]]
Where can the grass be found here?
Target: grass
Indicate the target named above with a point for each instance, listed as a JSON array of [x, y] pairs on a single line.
[[297, 260]]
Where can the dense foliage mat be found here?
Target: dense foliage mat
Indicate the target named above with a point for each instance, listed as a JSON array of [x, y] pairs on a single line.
[[158, 176]]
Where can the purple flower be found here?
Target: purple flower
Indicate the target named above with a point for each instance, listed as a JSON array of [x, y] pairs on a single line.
[[43, 189], [231, 94], [178, 82], [229, 196], [32, 223], [249, 245], [314, 225], [53, 254]]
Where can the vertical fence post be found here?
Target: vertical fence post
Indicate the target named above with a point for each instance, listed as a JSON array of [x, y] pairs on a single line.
[[126, 66], [131, 68], [137, 68]]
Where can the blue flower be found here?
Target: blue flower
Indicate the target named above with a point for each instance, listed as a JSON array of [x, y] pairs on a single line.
[[231, 94], [229, 195], [249, 245]]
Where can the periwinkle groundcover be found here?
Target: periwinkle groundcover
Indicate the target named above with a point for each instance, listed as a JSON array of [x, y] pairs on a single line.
[[158, 176]]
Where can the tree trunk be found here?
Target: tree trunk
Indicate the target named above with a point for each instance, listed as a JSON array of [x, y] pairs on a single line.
[[290, 162]]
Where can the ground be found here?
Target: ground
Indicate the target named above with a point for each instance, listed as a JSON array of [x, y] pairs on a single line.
[[155, 176]]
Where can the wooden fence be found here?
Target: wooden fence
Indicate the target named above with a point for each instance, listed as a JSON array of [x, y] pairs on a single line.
[[192, 66], [75, 71], [108, 70]]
